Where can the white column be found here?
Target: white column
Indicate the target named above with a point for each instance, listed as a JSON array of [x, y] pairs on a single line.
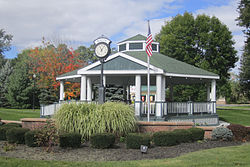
[[171, 92], [61, 90], [104, 80], [163, 91], [158, 95], [83, 88], [89, 90], [208, 92], [137, 95], [213, 94]]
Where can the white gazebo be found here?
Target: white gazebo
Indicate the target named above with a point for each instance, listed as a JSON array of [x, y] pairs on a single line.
[[129, 67]]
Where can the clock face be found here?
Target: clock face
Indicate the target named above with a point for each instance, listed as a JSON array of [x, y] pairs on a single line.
[[101, 50]]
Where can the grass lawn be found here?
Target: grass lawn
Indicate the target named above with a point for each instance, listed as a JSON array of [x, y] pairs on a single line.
[[17, 114], [236, 115], [224, 156]]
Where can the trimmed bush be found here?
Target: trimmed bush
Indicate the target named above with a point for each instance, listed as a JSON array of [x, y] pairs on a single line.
[[165, 138], [135, 140], [197, 134], [16, 135], [117, 118], [183, 135], [70, 140], [14, 125], [240, 132], [222, 133], [31, 138], [102, 140], [3, 130]]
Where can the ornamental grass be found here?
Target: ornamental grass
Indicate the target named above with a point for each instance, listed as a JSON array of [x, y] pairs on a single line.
[[88, 119]]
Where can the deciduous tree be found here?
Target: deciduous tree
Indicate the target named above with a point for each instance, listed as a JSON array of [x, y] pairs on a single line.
[[203, 42]]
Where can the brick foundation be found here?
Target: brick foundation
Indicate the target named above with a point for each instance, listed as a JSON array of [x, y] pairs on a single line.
[[36, 123], [170, 126], [33, 123]]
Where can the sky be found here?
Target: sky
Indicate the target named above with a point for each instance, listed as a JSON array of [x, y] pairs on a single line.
[[79, 22]]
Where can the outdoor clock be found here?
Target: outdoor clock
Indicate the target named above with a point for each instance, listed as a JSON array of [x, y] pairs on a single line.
[[102, 47], [102, 50]]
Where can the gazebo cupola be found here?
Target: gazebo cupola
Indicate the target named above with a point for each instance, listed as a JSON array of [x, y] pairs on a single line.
[[136, 43]]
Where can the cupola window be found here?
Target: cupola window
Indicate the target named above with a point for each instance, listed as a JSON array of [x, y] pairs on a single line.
[[122, 47], [135, 46]]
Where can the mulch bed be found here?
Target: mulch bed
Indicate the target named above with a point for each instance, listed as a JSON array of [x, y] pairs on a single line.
[[86, 153]]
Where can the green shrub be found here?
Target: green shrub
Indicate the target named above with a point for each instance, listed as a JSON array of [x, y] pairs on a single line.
[[222, 133], [135, 140], [117, 118], [240, 132], [70, 140], [197, 134], [165, 138], [16, 135], [102, 140], [3, 130], [16, 125], [182, 135], [31, 138]]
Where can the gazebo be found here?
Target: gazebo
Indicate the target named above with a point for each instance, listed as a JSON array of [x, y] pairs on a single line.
[[128, 67]]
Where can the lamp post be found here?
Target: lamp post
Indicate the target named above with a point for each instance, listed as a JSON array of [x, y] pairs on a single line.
[[34, 77], [102, 51]]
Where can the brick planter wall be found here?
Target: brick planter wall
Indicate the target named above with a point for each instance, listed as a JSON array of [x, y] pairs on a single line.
[[33, 123], [170, 126]]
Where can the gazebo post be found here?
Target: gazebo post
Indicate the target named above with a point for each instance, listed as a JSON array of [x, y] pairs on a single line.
[[83, 88], [89, 90], [137, 95], [213, 94], [208, 93], [158, 113], [61, 90]]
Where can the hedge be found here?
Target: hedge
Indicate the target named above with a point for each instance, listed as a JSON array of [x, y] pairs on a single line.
[[165, 138], [135, 140], [16, 135], [70, 140], [102, 140], [31, 138]]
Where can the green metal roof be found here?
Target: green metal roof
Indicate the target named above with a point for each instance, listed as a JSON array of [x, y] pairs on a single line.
[[69, 73], [120, 63], [138, 37], [168, 64]]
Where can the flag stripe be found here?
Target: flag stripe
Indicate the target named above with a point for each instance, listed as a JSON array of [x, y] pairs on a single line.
[[149, 42]]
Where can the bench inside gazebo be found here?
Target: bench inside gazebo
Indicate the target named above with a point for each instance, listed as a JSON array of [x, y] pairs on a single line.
[[128, 67]]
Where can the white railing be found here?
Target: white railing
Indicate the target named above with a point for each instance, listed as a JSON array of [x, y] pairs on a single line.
[[49, 110], [180, 108]]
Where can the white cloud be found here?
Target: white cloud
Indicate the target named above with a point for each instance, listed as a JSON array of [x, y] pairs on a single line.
[[30, 20]]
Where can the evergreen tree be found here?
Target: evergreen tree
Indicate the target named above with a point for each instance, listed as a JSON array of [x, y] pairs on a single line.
[[20, 88], [244, 21], [203, 42], [5, 72]]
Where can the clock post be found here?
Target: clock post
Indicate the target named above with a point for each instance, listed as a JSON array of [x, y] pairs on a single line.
[[102, 51]]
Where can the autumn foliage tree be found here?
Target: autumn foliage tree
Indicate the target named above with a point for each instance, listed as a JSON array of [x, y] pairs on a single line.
[[48, 62]]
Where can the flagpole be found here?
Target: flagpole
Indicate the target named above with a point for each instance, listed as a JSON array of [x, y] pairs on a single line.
[[148, 99], [148, 90]]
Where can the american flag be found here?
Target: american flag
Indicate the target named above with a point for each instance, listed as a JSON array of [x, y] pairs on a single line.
[[149, 42]]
